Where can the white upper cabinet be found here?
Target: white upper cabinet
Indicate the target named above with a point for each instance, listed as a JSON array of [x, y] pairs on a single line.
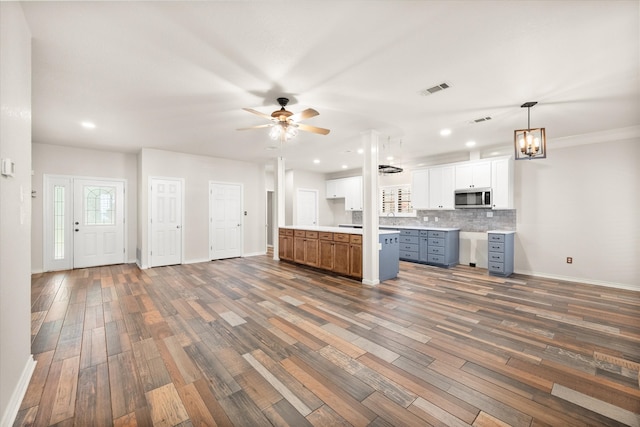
[[473, 175], [441, 187], [349, 189], [420, 189], [336, 188], [502, 183], [353, 196]]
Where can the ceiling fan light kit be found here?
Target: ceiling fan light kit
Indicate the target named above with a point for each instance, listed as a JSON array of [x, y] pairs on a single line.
[[285, 124]]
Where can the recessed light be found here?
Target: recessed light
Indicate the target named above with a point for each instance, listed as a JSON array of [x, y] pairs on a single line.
[[344, 166], [360, 151], [495, 153], [390, 158], [88, 125], [445, 132], [470, 143], [316, 161]]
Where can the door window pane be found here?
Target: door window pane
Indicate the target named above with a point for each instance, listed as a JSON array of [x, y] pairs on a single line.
[[99, 205], [58, 222]]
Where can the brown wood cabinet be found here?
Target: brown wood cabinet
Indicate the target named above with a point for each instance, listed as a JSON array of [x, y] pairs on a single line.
[[326, 251], [341, 262], [305, 247], [355, 255], [340, 253], [285, 244]]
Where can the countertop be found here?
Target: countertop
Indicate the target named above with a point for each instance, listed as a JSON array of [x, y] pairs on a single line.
[[404, 227], [328, 229]]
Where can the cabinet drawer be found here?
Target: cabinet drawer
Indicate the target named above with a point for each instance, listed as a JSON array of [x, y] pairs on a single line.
[[424, 233], [356, 239], [341, 237], [409, 239], [286, 232], [299, 233], [496, 257], [435, 259], [410, 256], [412, 247], [409, 233], [311, 234], [436, 242], [497, 267], [437, 250], [496, 247], [499, 238], [325, 236], [437, 234]]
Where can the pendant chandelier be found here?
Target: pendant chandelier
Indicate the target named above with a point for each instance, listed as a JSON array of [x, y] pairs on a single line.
[[530, 143]]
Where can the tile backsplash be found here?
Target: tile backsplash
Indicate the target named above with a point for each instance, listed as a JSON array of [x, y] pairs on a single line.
[[472, 220]]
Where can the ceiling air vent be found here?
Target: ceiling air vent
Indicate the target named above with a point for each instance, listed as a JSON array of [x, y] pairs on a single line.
[[482, 119], [434, 89], [385, 169]]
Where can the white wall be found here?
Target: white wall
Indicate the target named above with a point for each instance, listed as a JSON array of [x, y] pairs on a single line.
[[197, 172], [581, 202], [79, 162], [16, 363]]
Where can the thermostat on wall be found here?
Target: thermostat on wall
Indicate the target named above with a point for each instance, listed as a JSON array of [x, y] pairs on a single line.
[[8, 167]]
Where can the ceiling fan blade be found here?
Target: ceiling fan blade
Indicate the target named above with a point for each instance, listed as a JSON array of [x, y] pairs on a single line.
[[313, 129], [306, 114], [258, 113], [258, 127]]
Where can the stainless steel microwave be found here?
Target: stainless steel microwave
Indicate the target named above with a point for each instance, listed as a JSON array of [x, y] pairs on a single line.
[[473, 198]]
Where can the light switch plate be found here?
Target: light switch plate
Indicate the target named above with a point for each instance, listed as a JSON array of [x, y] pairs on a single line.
[[8, 167]]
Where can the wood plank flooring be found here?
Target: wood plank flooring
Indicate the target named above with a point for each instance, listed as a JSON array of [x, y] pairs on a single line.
[[256, 342]]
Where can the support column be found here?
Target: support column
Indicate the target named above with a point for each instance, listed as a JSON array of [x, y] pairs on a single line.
[[278, 204], [370, 247]]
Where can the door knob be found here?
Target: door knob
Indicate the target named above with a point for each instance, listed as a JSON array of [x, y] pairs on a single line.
[[177, 226]]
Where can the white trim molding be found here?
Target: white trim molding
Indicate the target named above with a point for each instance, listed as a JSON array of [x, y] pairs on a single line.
[[19, 391]]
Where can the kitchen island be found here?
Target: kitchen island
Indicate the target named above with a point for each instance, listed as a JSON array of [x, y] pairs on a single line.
[[337, 249]]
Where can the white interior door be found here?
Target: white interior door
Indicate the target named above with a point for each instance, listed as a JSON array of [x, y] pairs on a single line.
[[225, 222], [166, 222], [98, 223], [307, 207]]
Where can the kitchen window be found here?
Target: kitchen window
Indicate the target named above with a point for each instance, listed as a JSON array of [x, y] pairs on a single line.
[[396, 200]]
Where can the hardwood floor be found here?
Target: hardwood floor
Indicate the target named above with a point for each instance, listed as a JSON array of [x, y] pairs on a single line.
[[256, 342]]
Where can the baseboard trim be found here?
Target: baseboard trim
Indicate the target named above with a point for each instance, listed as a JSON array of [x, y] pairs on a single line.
[[580, 280], [254, 254], [196, 261], [19, 391]]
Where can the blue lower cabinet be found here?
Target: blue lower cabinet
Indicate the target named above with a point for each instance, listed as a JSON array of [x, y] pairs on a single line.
[[434, 247], [500, 253], [388, 259]]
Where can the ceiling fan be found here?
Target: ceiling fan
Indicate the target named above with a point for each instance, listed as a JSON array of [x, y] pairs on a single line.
[[285, 124]]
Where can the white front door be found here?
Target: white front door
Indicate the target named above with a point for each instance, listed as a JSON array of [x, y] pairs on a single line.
[[225, 221], [307, 207], [98, 223], [166, 222]]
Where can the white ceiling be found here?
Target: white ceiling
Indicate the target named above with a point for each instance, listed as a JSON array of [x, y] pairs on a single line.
[[176, 75]]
